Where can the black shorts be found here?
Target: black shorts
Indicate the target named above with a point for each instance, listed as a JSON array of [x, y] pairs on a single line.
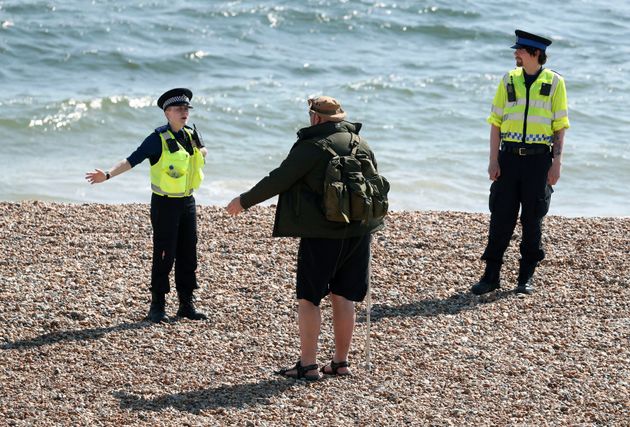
[[340, 266]]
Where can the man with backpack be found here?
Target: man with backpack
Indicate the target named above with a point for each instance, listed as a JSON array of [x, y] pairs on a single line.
[[333, 199]]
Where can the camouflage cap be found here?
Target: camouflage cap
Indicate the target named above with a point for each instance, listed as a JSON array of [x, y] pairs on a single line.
[[327, 107]]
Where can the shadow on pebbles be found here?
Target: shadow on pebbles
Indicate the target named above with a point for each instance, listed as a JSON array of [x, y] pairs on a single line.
[[74, 349]]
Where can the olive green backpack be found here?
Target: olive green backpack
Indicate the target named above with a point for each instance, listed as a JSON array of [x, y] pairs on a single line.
[[353, 189]]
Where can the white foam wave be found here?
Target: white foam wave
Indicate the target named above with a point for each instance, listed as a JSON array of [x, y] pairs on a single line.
[[72, 111]]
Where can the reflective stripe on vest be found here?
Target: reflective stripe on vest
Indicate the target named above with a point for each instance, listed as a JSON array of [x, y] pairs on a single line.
[[530, 118], [538, 108], [165, 136], [536, 104], [498, 111], [159, 191], [560, 114]]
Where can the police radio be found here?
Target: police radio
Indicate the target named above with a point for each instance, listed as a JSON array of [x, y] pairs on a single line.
[[510, 91], [545, 89], [197, 136]]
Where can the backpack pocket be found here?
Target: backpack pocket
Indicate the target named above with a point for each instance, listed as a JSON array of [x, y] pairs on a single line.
[[336, 202], [360, 200], [380, 188], [353, 189]]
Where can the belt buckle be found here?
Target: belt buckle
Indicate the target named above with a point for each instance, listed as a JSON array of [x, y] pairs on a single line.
[[521, 151]]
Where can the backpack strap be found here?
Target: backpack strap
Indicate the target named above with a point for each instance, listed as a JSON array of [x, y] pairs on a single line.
[[354, 144], [326, 145]]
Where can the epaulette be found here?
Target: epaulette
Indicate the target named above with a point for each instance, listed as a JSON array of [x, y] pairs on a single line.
[[161, 129], [170, 142]]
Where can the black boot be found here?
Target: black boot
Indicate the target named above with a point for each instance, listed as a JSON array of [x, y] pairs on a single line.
[[157, 311], [489, 281], [187, 308], [525, 284]]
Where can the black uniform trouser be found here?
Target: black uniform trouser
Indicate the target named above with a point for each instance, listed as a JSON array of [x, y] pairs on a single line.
[[523, 183], [174, 223]]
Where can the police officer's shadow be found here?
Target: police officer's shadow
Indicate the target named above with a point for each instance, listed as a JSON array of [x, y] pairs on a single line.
[[454, 304], [72, 335], [224, 396]]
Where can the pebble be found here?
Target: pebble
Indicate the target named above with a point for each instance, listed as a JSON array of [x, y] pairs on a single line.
[[74, 349]]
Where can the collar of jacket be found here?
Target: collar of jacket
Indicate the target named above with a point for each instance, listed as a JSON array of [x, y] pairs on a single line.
[[322, 130], [181, 134]]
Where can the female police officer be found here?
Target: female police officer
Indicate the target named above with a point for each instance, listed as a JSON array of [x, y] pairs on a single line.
[[177, 157]]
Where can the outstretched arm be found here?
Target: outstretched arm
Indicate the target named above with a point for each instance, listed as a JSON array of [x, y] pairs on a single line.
[[301, 159], [235, 207], [99, 176]]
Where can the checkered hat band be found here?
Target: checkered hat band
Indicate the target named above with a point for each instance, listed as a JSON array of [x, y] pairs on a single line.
[[180, 98]]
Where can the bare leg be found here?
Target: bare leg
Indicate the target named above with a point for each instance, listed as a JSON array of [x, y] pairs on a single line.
[[343, 325], [309, 323]]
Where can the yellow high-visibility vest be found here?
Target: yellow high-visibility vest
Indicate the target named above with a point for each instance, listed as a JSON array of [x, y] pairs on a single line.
[[177, 174], [531, 119]]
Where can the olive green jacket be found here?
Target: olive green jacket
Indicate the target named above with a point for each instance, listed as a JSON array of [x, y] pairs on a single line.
[[299, 180]]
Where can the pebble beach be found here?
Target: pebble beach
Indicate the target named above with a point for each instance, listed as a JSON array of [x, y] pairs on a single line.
[[75, 350]]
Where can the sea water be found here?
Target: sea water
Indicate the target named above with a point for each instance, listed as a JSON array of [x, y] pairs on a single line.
[[79, 82]]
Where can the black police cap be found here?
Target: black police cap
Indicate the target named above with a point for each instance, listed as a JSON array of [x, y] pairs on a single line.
[[525, 39], [178, 96]]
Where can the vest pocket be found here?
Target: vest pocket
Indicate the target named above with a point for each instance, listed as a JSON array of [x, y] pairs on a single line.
[[173, 180], [198, 162], [173, 185], [197, 178]]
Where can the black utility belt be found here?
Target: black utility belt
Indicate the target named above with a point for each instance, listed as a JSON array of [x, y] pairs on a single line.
[[525, 150], [165, 197]]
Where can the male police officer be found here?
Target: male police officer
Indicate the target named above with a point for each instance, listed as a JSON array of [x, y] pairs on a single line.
[[333, 257], [528, 121], [177, 157]]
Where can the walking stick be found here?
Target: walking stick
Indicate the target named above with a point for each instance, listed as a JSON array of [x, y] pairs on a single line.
[[367, 317]]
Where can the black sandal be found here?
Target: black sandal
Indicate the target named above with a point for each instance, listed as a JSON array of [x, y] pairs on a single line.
[[334, 368], [300, 372]]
